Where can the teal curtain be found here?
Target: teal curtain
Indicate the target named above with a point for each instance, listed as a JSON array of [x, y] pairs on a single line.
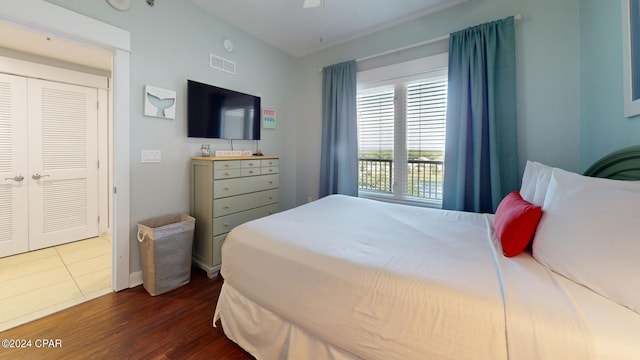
[[339, 153], [480, 147]]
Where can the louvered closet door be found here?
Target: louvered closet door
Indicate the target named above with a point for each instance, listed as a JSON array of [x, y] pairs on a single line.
[[63, 163], [13, 166]]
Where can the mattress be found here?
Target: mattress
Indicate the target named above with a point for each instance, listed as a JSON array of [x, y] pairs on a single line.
[[356, 278]]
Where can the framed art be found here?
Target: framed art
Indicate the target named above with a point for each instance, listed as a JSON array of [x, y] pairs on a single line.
[[268, 119], [159, 102], [631, 56]]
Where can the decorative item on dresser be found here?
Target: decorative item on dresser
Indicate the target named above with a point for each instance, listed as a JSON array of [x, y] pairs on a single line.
[[226, 192]]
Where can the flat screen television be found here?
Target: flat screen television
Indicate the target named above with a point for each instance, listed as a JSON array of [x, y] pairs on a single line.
[[218, 113]]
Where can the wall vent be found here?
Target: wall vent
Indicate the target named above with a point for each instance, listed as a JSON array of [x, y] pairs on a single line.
[[223, 64]]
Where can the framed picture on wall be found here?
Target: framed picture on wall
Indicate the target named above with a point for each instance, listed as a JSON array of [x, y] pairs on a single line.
[[631, 56], [268, 119], [159, 102]]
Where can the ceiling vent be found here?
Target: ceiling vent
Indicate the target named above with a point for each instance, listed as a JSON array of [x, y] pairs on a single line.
[[223, 64]]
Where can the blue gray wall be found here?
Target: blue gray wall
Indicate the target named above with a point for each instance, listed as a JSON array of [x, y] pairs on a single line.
[[603, 127]]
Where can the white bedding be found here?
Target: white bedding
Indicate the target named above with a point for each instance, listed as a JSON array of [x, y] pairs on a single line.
[[354, 278]]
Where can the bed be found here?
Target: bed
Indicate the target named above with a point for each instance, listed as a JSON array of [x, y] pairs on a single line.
[[552, 275]]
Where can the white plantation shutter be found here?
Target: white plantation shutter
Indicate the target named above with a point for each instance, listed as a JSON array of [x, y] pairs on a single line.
[[401, 132], [375, 120], [426, 115], [425, 122]]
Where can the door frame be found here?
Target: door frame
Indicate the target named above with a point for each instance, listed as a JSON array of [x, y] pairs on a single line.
[[57, 21]]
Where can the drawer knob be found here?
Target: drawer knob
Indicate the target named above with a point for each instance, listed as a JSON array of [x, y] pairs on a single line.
[[270, 170], [226, 225], [251, 164], [250, 171], [270, 181], [270, 198], [226, 165], [227, 207], [226, 188], [226, 174]]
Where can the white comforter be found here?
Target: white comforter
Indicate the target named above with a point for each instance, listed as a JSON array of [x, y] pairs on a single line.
[[384, 281]]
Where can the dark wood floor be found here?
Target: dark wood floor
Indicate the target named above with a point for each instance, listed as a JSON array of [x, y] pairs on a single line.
[[131, 324]]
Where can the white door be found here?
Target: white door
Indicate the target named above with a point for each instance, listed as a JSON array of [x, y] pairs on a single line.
[[13, 166], [63, 163]]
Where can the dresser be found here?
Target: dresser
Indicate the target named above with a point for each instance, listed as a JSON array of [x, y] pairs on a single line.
[[226, 192]]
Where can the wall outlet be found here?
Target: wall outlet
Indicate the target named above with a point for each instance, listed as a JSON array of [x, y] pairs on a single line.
[[151, 156]]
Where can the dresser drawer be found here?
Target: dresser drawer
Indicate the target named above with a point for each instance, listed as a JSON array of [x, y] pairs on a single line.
[[224, 224], [226, 164], [269, 170], [231, 187], [226, 173], [269, 162], [250, 171], [234, 204], [245, 164]]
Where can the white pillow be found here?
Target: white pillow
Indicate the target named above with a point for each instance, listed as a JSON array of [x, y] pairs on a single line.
[[535, 180], [542, 183], [589, 232], [529, 177]]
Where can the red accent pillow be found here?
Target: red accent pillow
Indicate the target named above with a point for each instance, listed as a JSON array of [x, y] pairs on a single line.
[[515, 223]]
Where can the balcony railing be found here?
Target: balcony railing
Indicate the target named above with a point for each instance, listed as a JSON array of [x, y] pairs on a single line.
[[424, 177]]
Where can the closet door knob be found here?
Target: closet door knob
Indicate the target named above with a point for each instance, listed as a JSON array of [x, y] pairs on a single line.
[[17, 178], [37, 176]]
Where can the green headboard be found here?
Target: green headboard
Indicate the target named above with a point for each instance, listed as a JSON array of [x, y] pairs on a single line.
[[623, 164]]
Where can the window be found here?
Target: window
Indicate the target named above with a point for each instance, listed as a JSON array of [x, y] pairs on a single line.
[[401, 130]]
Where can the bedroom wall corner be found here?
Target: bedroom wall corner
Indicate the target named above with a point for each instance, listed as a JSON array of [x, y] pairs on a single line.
[[604, 128]]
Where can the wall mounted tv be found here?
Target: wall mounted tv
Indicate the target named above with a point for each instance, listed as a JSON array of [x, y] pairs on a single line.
[[214, 112]]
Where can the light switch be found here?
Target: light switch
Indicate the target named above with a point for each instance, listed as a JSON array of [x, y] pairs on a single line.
[[151, 156]]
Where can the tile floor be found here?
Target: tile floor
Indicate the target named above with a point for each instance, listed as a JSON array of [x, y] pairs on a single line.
[[39, 283]]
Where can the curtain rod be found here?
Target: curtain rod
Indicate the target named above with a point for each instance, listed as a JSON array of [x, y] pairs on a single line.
[[516, 17]]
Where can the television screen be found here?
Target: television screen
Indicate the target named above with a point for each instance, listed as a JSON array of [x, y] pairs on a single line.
[[214, 112]]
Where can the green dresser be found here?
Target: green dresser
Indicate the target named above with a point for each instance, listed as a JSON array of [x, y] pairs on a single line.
[[226, 192]]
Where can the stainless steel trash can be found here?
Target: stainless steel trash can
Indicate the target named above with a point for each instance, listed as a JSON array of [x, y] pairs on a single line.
[[165, 250]]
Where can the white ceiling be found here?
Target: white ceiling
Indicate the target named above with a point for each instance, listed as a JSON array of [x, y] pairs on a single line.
[[286, 25]]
